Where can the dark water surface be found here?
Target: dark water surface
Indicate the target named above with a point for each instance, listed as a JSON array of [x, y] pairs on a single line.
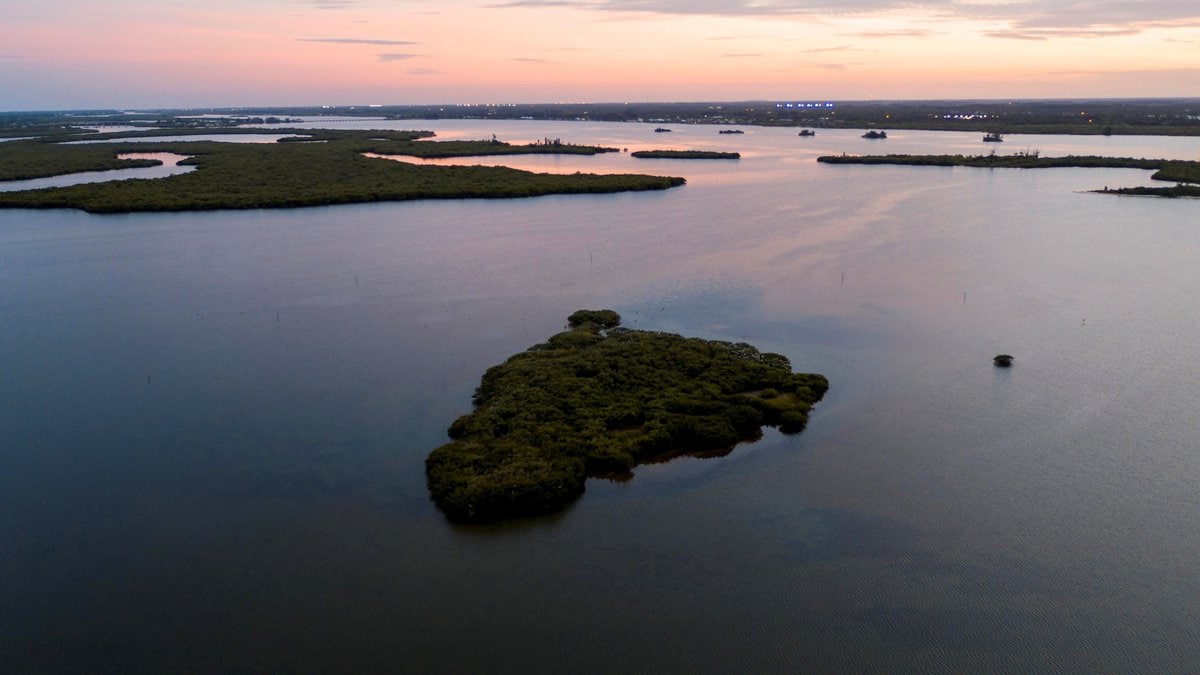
[[212, 426]]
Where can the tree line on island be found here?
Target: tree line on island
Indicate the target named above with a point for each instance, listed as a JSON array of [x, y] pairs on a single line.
[[684, 154]]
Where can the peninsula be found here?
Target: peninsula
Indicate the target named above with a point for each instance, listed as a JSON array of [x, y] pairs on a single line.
[[1179, 171], [598, 399]]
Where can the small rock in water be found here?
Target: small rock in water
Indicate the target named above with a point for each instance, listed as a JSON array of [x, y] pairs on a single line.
[[1003, 360]]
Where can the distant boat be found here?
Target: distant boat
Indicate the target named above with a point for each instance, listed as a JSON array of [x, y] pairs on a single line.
[[993, 137], [661, 130], [807, 132], [875, 134], [731, 131]]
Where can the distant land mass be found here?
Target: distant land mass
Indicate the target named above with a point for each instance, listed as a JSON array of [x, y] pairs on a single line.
[[1157, 116]]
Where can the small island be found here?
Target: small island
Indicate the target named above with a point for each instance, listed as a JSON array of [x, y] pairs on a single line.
[[599, 399], [872, 134], [684, 154]]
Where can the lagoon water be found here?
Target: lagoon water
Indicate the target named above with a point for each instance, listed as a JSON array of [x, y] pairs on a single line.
[[212, 425]]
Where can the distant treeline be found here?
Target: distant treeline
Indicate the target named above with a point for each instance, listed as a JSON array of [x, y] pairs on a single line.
[[1173, 191], [684, 154], [1173, 116], [1017, 161]]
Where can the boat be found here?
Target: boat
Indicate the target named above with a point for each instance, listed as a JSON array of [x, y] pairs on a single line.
[[875, 134], [731, 131], [661, 130], [993, 137], [807, 132]]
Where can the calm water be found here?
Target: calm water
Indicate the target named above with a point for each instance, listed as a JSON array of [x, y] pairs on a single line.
[[212, 426], [222, 138], [169, 167]]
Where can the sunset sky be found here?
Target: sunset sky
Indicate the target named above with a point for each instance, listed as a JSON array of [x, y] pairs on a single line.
[[62, 54]]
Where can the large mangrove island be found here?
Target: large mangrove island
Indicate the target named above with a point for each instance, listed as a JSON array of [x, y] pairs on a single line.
[[599, 399], [308, 167]]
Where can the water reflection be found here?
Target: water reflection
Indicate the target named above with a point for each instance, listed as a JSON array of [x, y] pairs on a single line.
[[169, 167], [559, 164], [219, 138], [214, 424]]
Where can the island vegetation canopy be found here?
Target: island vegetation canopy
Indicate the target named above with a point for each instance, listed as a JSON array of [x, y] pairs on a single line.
[[599, 399]]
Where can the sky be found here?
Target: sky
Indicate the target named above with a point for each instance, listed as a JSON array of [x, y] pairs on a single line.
[[128, 54]]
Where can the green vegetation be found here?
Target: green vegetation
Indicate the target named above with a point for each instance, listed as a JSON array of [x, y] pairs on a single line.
[[1170, 170], [1173, 191], [21, 160], [1021, 160], [598, 399], [1183, 172], [327, 167], [684, 154]]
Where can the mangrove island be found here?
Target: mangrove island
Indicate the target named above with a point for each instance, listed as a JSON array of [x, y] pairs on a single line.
[[311, 167], [684, 154], [599, 399]]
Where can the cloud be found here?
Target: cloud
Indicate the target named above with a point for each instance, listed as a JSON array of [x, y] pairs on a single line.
[[726, 7], [832, 66], [897, 33], [357, 41], [841, 48], [11, 56], [1132, 14], [1170, 74], [740, 56], [529, 60], [1059, 33], [332, 4], [422, 71], [1114, 16], [397, 57]]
